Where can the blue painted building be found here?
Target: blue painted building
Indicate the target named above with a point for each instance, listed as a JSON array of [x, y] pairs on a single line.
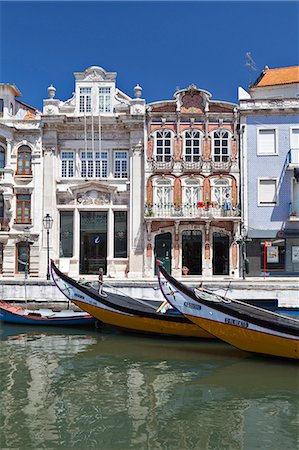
[[269, 134]]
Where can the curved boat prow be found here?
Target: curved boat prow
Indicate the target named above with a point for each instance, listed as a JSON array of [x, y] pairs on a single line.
[[242, 325]]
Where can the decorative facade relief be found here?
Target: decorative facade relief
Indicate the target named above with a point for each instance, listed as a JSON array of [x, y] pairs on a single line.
[[93, 198]]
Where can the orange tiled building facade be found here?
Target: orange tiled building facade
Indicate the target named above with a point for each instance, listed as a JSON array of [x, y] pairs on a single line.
[[192, 181]]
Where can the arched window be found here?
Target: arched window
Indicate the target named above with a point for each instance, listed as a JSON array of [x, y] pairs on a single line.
[[192, 146], [2, 157], [163, 143], [24, 161], [163, 196], [221, 191], [192, 192], [221, 145]]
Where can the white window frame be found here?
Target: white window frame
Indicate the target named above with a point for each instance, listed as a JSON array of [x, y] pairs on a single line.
[[163, 185], [229, 145], [224, 189], [193, 185], [100, 167], [259, 193], [291, 130], [161, 157], [107, 100], [68, 167], [123, 165], [92, 163], [192, 155], [294, 151], [258, 152], [86, 98]]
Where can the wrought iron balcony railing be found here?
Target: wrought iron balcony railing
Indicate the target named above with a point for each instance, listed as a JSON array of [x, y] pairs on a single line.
[[192, 166], [223, 166], [161, 166], [169, 210]]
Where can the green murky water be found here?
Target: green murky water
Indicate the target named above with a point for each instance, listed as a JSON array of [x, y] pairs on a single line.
[[83, 389]]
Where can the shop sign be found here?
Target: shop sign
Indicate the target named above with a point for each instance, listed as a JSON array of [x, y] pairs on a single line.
[[295, 254], [273, 254]]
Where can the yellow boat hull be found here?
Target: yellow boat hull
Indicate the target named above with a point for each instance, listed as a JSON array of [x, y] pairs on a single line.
[[250, 340], [143, 324]]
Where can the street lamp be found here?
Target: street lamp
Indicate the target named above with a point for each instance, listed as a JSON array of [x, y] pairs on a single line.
[[242, 242], [47, 224], [27, 236]]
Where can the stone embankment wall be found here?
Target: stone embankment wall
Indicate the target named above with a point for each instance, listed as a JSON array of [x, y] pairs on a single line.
[[286, 292]]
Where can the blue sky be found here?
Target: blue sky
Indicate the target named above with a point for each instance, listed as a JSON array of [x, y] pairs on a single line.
[[160, 45]]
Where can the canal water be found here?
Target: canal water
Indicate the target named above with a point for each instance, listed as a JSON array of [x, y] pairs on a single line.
[[84, 389]]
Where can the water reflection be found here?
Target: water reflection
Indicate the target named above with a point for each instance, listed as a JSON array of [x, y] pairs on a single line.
[[82, 389]]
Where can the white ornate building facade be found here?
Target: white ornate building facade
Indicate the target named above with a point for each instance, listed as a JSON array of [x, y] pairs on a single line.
[[81, 162], [21, 179]]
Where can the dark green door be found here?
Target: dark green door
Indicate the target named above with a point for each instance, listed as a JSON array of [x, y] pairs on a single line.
[[93, 242], [163, 246]]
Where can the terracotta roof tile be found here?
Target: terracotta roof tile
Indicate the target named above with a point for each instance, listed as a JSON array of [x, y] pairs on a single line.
[[283, 75]]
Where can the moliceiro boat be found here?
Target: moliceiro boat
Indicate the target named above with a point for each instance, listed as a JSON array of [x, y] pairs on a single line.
[[126, 312], [244, 326], [19, 315]]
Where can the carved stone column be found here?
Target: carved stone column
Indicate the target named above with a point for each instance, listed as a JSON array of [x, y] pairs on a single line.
[[234, 149], [234, 253], [150, 148], [48, 179], [177, 193], [136, 211], [149, 199], [8, 154], [206, 190], [149, 250], [207, 149], [178, 150], [176, 246], [110, 235], [234, 192], [206, 272]]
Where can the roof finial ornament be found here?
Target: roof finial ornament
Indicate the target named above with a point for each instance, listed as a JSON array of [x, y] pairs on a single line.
[[192, 89], [51, 91], [137, 91]]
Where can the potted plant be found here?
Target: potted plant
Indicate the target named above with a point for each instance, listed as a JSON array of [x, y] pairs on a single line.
[[148, 210], [207, 204]]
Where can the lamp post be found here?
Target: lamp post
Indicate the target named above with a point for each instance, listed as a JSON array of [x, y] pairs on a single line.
[[27, 235], [242, 242], [47, 224]]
